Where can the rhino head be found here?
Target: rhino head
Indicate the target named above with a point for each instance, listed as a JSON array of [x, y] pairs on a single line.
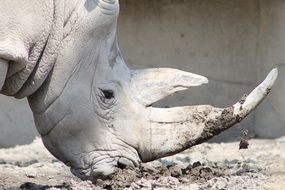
[[96, 115]]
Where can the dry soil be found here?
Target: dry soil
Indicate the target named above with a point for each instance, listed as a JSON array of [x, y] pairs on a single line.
[[206, 166]]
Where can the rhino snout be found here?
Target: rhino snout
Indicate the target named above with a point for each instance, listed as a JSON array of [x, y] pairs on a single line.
[[104, 168]]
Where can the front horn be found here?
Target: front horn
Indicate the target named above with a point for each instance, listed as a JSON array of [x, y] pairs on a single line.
[[172, 130]]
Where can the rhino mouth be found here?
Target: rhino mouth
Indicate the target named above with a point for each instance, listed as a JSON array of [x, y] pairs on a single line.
[[104, 168]]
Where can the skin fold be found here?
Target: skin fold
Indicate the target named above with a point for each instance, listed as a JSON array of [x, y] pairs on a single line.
[[92, 112]]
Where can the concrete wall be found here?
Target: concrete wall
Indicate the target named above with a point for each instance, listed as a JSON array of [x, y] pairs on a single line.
[[234, 43], [16, 122], [270, 120]]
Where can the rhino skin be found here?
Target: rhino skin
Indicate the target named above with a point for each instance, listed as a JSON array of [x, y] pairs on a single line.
[[92, 112]]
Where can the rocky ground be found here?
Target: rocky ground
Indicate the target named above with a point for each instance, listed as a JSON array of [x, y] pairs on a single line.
[[207, 166]]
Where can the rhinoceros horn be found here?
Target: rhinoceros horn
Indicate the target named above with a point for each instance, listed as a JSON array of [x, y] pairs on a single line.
[[172, 130]]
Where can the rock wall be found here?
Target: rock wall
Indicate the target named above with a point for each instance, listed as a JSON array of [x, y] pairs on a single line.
[[234, 43]]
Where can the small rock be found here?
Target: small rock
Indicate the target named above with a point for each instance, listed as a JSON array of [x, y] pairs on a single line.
[[218, 183], [143, 183], [243, 144], [176, 171], [30, 175], [165, 172], [148, 168], [196, 164], [169, 182]]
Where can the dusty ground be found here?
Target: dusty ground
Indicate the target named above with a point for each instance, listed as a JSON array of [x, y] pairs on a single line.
[[207, 166]]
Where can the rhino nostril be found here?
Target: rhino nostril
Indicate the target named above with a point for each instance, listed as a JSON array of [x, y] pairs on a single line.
[[124, 163], [121, 165]]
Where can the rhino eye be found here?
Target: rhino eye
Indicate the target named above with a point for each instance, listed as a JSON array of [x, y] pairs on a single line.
[[108, 94]]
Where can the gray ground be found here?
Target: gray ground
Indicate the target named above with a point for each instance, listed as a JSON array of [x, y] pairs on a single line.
[[207, 166]]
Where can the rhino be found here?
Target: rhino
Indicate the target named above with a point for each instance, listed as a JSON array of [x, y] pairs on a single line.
[[94, 113]]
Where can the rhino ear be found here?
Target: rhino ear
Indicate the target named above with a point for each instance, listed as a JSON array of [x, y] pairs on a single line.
[[152, 85]]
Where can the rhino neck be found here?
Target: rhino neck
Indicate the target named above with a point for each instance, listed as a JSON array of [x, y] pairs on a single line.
[[80, 52], [41, 58], [44, 53], [48, 56]]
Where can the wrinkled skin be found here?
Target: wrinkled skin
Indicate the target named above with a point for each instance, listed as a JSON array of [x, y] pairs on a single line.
[[92, 112]]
